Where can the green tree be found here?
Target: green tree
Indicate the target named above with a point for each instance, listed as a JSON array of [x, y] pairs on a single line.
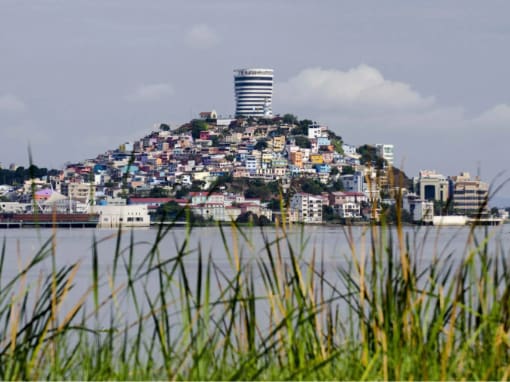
[[302, 141], [261, 145], [347, 170], [337, 144], [215, 140], [311, 186], [274, 204], [337, 185], [290, 119], [197, 126], [158, 192], [182, 192], [369, 156], [197, 185], [328, 213]]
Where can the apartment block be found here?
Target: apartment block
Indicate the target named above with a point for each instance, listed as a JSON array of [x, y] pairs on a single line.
[[308, 207]]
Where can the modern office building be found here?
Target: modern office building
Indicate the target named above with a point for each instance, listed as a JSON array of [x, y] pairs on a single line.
[[470, 196], [432, 186], [253, 92]]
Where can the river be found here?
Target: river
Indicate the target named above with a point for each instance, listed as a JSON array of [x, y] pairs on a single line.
[[329, 245]]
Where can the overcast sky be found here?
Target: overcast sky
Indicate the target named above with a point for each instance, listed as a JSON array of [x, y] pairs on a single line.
[[432, 77]]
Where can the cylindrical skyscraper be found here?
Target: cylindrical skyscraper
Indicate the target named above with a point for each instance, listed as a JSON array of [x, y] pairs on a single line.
[[254, 92]]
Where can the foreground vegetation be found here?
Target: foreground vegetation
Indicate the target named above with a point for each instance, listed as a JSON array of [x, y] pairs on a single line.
[[174, 313]]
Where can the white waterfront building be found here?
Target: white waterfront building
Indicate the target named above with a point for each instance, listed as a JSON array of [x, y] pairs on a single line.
[[253, 92], [112, 216]]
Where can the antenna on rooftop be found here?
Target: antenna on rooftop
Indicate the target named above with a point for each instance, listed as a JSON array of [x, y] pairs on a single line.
[[478, 170]]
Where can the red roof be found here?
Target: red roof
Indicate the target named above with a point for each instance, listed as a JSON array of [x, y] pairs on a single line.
[[149, 200]]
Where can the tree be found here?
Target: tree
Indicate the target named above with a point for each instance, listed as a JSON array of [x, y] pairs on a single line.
[[164, 127], [337, 185], [347, 170], [197, 185], [311, 186], [158, 192], [337, 144], [197, 126], [215, 140], [304, 125], [290, 119], [328, 213], [260, 145], [369, 156], [182, 192], [302, 142], [250, 217], [274, 205]]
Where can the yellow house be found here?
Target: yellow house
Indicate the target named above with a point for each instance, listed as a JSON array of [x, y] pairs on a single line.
[[296, 158], [278, 143], [201, 175], [316, 159]]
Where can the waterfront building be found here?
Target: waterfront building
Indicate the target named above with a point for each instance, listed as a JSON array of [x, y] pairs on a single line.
[[470, 196], [253, 92], [432, 186], [419, 209], [308, 207], [111, 216], [348, 210]]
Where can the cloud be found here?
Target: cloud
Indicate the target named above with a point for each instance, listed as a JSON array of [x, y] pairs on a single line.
[[360, 89], [497, 116], [11, 103], [152, 92], [202, 37]]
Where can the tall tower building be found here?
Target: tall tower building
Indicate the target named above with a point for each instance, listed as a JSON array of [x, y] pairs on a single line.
[[254, 92]]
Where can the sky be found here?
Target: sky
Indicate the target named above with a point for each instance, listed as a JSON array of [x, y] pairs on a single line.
[[78, 78]]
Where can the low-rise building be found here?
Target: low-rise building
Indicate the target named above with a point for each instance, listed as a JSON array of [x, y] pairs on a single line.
[[125, 216]]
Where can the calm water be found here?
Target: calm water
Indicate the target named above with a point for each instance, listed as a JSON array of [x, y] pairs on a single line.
[[329, 245], [330, 242]]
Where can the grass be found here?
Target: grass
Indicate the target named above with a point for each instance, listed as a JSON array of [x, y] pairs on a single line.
[[174, 313]]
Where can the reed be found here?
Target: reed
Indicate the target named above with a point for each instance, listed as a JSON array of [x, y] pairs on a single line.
[[278, 313]]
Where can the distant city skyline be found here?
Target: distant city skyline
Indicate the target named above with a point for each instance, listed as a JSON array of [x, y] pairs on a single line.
[[79, 78]]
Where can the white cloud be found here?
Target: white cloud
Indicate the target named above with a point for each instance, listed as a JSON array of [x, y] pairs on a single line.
[[202, 37], [9, 102], [497, 116], [359, 89], [152, 92]]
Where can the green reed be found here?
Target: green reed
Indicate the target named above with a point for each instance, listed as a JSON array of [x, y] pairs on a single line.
[[279, 313]]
